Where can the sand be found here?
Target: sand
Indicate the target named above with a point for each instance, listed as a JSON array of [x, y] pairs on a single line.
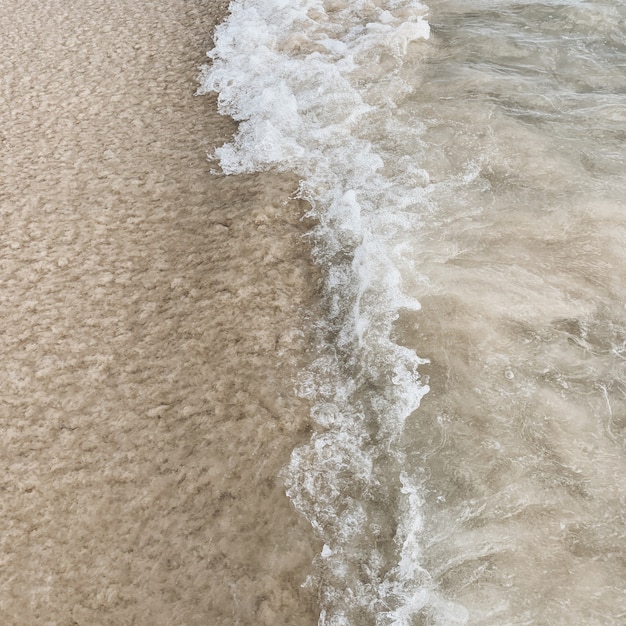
[[152, 320]]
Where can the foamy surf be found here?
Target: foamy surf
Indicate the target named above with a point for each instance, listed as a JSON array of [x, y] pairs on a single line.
[[310, 66], [411, 154]]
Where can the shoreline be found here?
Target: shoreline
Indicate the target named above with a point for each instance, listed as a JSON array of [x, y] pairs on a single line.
[[153, 323]]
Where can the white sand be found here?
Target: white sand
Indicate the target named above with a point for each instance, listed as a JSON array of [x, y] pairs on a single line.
[[149, 317]]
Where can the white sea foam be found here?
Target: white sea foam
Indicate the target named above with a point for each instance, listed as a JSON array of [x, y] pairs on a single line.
[[304, 79]]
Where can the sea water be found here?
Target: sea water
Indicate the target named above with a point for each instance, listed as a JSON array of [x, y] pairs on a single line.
[[465, 166]]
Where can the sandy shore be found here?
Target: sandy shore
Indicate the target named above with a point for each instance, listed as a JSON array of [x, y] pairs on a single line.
[[151, 324]]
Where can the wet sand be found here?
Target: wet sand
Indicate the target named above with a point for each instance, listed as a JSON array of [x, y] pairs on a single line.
[[151, 324]]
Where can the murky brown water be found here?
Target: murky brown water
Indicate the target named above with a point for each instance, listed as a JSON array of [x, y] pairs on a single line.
[[151, 320]]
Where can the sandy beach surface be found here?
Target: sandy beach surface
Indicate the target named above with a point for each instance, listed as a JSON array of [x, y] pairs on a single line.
[[151, 320]]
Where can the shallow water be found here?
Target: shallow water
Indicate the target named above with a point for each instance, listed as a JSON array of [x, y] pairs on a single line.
[[466, 169]]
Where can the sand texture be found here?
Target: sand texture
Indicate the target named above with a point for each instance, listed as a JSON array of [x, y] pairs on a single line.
[[151, 318]]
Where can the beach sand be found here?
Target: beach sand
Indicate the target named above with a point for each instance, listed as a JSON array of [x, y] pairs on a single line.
[[152, 321]]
